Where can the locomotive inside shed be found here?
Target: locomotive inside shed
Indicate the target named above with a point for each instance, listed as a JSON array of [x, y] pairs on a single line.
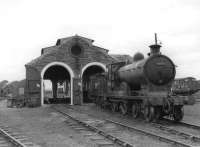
[[90, 71]]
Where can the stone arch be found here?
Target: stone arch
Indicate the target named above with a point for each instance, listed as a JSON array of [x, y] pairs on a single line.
[[67, 67], [87, 71], [103, 66]]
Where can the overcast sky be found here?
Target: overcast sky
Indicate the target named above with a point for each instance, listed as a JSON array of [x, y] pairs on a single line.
[[122, 26]]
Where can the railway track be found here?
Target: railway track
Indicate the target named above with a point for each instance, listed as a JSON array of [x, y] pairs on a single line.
[[184, 124], [115, 141], [168, 125], [163, 124], [9, 138], [177, 138], [188, 136]]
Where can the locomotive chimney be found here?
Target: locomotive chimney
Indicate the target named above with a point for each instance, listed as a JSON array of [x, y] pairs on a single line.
[[155, 48]]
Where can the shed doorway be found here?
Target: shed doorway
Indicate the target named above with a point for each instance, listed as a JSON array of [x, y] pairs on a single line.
[[56, 85], [87, 73]]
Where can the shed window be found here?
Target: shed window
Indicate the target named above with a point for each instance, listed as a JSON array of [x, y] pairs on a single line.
[[76, 50]]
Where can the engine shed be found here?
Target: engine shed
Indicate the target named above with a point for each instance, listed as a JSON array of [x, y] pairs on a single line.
[[67, 67]]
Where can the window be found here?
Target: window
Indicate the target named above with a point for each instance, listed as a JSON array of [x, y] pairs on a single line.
[[76, 50]]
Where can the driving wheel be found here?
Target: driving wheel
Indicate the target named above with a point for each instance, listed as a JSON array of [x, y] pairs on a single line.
[[114, 107], [123, 108], [149, 113], [135, 110]]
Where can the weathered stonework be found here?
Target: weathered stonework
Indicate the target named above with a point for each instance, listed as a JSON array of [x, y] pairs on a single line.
[[61, 53]]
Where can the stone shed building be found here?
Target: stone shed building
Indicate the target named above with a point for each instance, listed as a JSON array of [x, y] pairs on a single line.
[[71, 61]]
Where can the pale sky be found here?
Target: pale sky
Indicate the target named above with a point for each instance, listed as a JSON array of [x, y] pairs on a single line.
[[122, 26]]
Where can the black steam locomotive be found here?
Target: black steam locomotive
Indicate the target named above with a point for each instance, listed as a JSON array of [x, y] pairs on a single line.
[[140, 87]]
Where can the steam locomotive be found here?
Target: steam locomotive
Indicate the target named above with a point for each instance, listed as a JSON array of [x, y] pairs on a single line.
[[140, 87]]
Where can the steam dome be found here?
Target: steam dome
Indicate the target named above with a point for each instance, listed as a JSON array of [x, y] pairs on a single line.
[[138, 56]]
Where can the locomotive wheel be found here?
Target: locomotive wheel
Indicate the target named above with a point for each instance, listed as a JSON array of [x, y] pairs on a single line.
[[178, 113], [149, 113], [123, 108], [114, 107], [135, 110]]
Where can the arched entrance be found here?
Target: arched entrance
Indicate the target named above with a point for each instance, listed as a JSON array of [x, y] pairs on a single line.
[[87, 71], [58, 77]]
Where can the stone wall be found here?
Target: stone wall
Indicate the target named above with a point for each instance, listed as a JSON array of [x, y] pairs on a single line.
[[62, 53], [32, 88]]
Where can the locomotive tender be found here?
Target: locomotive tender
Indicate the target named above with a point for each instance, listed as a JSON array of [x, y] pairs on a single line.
[[140, 87]]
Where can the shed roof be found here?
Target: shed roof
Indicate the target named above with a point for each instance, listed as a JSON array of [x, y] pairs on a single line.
[[53, 49], [64, 40], [48, 49]]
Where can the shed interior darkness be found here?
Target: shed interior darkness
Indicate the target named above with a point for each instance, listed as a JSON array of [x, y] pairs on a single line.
[[86, 79], [57, 72]]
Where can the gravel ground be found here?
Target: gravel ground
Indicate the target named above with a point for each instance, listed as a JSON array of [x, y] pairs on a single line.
[[192, 111], [48, 129], [192, 114], [45, 127]]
